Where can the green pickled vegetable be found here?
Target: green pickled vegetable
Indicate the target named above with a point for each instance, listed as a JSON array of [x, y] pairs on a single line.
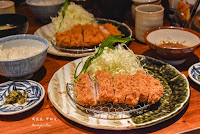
[[16, 97]]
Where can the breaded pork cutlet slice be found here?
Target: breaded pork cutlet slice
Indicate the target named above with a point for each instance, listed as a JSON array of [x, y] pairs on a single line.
[[105, 32], [92, 35], [104, 87], [132, 91], [151, 88], [120, 86], [113, 30], [76, 36], [143, 85], [108, 29], [155, 89], [63, 39], [86, 94]]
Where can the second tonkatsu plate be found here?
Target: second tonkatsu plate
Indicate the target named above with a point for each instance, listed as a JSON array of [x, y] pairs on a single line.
[[48, 31], [123, 28]]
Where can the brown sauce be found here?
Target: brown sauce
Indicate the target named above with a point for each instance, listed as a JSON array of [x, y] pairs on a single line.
[[172, 45]]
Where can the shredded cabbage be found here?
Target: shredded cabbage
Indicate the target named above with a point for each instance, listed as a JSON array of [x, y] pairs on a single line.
[[74, 14], [117, 61]]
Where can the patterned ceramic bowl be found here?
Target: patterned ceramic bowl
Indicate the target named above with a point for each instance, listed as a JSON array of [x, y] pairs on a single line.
[[22, 55], [173, 44]]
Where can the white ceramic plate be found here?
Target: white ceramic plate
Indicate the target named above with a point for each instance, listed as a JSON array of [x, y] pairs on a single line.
[[34, 90], [194, 73], [47, 31], [61, 101]]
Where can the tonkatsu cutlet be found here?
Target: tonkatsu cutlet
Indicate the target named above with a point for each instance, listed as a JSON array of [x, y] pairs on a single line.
[[63, 39], [92, 34], [108, 30], [128, 89], [155, 89], [86, 94], [104, 87], [85, 35], [113, 30], [119, 87], [151, 90], [76, 36], [132, 91], [143, 85]]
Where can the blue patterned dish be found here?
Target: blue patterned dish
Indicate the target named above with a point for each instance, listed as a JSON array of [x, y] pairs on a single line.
[[194, 73], [34, 90]]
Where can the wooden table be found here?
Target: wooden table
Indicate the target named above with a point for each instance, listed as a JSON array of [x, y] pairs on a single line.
[[44, 118]]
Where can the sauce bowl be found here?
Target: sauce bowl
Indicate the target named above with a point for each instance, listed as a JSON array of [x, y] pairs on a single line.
[[156, 37]]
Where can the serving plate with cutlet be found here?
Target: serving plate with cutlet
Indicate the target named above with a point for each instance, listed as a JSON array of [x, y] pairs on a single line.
[[48, 32], [176, 94]]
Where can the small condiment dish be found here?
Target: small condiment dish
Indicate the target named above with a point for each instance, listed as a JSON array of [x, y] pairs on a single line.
[[17, 63], [185, 41], [35, 94], [194, 73]]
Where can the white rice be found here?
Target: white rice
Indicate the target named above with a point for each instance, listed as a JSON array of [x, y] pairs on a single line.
[[18, 52]]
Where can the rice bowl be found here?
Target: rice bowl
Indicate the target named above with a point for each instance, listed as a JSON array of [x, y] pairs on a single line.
[[23, 67]]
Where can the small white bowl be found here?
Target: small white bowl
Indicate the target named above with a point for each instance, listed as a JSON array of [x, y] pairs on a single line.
[[23, 68], [187, 37], [44, 9]]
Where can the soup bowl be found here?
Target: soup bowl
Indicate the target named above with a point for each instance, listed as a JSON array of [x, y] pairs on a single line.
[[22, 55], [172, 44], [12, 24]]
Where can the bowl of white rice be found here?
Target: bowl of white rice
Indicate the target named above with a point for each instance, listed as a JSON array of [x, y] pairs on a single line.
[[22, 55]]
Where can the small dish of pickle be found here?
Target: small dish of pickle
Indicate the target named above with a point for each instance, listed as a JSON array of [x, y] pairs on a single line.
[[16, 97], [19, 96]]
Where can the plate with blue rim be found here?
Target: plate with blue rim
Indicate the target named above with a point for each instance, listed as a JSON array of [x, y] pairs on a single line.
[[194, 73], [34, 90]]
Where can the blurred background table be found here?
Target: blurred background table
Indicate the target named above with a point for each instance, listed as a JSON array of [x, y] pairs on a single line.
[[44, 118]]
